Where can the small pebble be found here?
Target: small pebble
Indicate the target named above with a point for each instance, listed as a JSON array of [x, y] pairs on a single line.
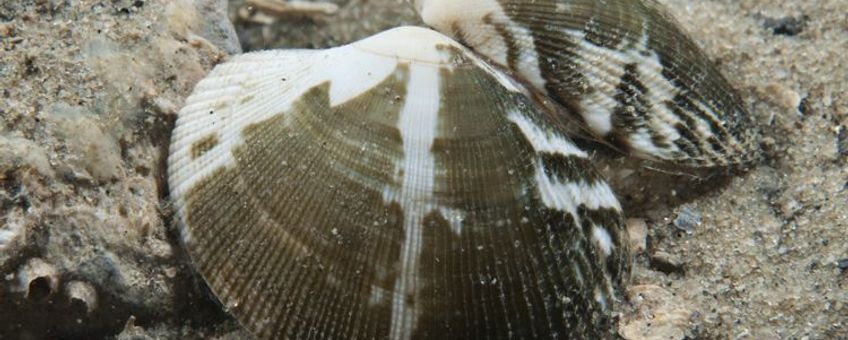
[[790, 208], [637, 228], [842, 264], [667, 263], [687, 219], [7, 29], [842, 141], [171, 272], [82, 295], [787, 26], [783, 96]]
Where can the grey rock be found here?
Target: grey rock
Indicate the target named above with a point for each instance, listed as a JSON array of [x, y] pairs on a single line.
[[687, 219]]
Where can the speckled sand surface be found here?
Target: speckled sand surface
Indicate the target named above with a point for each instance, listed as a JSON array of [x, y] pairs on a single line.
[[89, 92]]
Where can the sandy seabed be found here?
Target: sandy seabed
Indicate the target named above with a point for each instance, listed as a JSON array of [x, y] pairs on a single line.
[[90, 90]]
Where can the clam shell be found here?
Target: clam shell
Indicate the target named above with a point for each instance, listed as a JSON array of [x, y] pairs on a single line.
[[394, 188], [621, 67]]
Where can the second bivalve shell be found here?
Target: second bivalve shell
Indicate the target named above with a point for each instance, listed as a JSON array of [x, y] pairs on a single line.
[[396, 188], [624, 69]]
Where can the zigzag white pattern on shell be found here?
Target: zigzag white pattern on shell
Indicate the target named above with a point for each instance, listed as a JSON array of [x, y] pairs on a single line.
[[598, 106], [632, 78]]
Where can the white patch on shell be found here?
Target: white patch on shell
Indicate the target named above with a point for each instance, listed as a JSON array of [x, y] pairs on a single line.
[[544, 141], [253, 88], [454, 218], [405, 44], [603, 239], [601, 298], [508, 83], [468, 16], [378, 295], [568, 196], [643, 144], [418, 124], [598, 118]]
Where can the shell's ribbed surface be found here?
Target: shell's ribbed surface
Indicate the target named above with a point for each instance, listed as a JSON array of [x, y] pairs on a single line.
[[369, 191], [622, 67]]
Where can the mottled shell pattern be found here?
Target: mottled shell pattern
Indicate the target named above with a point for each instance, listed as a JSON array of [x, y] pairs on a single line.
[[622, 68], [402, 187]]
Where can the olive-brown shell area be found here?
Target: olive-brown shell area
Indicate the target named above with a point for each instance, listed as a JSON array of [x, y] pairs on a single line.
[[623, 68], [300, 238]]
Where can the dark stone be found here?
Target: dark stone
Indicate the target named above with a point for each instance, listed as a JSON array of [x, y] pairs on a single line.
[[805, 107], [842, 141], [788, 26]]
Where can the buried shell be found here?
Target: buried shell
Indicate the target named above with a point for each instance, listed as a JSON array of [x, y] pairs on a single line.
[[394, 188], [623, 68], [38, 279]]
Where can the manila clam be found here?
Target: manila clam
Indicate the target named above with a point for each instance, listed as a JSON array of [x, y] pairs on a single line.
[[403, 187], [622, 68]]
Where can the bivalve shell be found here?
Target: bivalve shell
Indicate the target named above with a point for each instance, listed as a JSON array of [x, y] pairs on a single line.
[[397, 187], [622, 68]]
